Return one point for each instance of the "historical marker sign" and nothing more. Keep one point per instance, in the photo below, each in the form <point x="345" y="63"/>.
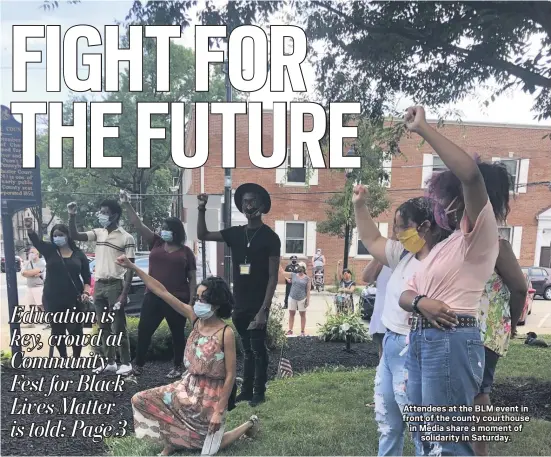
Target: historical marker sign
<point x="20" y="188"/>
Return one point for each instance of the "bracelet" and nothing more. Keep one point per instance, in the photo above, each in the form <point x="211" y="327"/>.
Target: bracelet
<point x="415" y="303"/>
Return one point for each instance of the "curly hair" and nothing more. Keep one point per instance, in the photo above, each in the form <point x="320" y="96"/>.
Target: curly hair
<point x="113" y="206"/>
<point x="419" y="210"/>
<point x="177" y="227"/>
<point x="219" y="295"/>
<point x="445" y="186"/>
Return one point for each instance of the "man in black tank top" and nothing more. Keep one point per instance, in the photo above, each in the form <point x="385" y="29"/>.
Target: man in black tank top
<point x="255" y="250"/>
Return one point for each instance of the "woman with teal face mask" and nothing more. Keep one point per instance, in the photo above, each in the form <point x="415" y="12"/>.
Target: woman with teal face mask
<point x="181" y="414"/>
<point x="173" y="264"/>
<point x="417" y="232"/>
<point x="67" y="282"/>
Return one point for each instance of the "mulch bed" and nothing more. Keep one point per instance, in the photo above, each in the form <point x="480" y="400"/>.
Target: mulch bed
<point x="304" y="354"/>
<point x="529" y="392"/>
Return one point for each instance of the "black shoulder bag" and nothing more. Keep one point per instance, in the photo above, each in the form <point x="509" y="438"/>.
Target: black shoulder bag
<point x="80" y="305"/>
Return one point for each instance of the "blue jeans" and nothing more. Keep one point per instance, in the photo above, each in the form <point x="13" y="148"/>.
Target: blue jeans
<point x="390" y="394"/>
<point x="445" y="368"/>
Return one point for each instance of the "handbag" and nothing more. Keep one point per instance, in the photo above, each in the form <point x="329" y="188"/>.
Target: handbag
<point x="81" y="305"/>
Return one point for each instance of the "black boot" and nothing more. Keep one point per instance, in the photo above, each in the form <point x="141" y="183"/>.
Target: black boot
<point x="244" y="396"/>
<point x="257" y="400"/>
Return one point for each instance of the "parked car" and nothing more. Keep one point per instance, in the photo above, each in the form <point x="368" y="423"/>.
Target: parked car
<point x="527" y="310"/>
<point x="137" y="289"/>
<point x="541" y="280"/>
<point x="18" y="262"/>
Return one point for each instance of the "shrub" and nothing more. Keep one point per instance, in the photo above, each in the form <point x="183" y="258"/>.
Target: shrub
<point x="161" y="342"/>
<point x="276" y="337"/>
<point x="5" y="358"/>
<point x="338" y="325"/>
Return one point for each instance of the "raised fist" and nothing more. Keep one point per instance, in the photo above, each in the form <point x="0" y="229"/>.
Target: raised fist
<point x="28" y="221"/>
<point x="360" y="195"/>
<point x="202" y="200"/>
<point x="415" y="118"/>
<point x="124" y="196"/>
<point x="72" y="208"/>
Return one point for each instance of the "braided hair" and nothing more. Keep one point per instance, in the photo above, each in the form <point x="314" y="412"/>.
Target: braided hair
<point x="219" y="295"/>
<point x="419" y="210"/>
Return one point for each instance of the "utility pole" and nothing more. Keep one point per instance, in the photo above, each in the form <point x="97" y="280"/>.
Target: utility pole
<point x="227" y="188"/>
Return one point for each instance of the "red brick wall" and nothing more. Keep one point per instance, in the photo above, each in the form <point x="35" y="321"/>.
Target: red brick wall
<point x="486" y="140"/>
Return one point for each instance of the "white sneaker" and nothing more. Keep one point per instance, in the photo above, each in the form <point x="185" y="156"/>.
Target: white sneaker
<point x="125" y="369"/>
<point x="111" y="368"/>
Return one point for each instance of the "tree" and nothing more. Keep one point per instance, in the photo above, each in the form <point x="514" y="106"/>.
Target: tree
<point x="376" y="144"/>
<point x="434" y="52"/>
<point x="60" y="184"/>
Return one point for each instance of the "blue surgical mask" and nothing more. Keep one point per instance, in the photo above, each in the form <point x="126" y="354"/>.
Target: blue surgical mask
<point x="104" y="220"/>
<point x="203" y="310"/>
<point x="167" y="236"/>
<point x="60" y="241"/>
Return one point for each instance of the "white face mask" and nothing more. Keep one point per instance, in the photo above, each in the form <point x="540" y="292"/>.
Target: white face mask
<point x="104" y="220"/>
<point x="203" y="310"/>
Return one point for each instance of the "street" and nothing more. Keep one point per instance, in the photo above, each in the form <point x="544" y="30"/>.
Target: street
<point x="539" y="321"/>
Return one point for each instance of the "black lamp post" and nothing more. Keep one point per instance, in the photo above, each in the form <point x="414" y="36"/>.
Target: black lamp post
<point x="349" y="176"/>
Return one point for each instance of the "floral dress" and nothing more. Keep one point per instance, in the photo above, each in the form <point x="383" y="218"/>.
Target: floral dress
<point x="179" y="414"/>
<point x="495" y="315"/>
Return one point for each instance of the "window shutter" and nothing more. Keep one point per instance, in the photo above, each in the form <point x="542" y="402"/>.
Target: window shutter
<point x="281" y="171"/>
<point x="523" y="175"/>
<point x="427" y="169"/>
<point x="311" y="238"/>
<point x="280" y="230"/>
<point x="387" y="167"/>
<point x="383" y="228"/>
<point x="353" y="249"/>
<point x="517" y="241"/>
<point x="314" y="178"/>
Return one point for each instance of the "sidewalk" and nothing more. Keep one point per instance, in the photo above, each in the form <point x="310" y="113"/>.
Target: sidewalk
<point x="320" y="302"/>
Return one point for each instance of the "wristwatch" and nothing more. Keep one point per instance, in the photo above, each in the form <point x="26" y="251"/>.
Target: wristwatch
<point x="415" y="303"/>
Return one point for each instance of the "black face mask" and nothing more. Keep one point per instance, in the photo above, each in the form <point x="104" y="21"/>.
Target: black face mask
<point x="294" y="262"/>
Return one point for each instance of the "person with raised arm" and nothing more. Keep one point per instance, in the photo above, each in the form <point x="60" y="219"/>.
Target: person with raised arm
<point x="256" y="252"/>
<point x="67" y="282"/>
<point x="445" y="360"/>
<point x="299" y="297"/>
<point x="173" y="264"/>
<point x="416" y="232"/>
<point x="181" y="414"/>
<point x="112" y="281"/>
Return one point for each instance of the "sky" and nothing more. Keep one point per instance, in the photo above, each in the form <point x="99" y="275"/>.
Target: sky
<point x="513" y="107"/>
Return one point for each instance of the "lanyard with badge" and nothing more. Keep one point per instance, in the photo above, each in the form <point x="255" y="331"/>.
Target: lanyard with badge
<point x="245" y="268"/>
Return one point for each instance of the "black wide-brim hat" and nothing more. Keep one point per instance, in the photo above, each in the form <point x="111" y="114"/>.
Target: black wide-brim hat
<point x="252" y="187"/>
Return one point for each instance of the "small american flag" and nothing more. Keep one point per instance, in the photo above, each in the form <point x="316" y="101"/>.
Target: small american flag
<point x="285" y="369"/>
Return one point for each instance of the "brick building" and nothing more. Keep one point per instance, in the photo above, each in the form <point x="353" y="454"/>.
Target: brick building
<point x="297" y="208"/>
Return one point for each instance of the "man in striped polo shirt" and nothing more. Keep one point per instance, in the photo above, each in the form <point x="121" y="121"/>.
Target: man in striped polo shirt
<point x="112" y="281"/>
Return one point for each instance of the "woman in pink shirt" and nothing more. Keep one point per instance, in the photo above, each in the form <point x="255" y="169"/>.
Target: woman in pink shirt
<point x="445" y="360"/>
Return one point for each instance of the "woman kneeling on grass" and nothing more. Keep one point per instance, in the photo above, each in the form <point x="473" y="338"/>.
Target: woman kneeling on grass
<point x="181" y="414"/>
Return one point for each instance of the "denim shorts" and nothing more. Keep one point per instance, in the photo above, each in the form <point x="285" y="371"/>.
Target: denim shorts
<point x="489" y="370"/>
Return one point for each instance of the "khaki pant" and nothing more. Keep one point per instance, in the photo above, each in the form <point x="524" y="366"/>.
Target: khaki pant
<point x="106" y="295"/>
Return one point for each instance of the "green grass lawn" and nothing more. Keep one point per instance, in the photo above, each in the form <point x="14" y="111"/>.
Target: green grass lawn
<point x="324" y="413"/>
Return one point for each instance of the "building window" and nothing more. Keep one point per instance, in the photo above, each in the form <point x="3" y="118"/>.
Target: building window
<point x="512" y="166"/>
<point x="362" y="250"/>
<point x="506" y="233"/>
<point x="438" y="165"/>
<point x="297" y="175"/>
<point x="295" y="238"/>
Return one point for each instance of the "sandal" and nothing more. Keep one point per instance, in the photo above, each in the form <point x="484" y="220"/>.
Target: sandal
<point x="289" y="332"/>
<point x="252" y="432"/>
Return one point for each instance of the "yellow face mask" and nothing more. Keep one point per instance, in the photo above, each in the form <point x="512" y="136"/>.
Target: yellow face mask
<point x="411" y="240"/>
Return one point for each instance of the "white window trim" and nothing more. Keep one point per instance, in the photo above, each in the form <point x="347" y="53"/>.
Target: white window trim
<point x="510" y="231"/>
<point x="353" y="250"/>
<point x="521" y="178"/>
<point x="282" y="175"/>
<point x="305" y="225"/>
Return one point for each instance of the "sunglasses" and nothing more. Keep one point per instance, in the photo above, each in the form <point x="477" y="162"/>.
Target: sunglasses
<point x="199" y="299"/>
